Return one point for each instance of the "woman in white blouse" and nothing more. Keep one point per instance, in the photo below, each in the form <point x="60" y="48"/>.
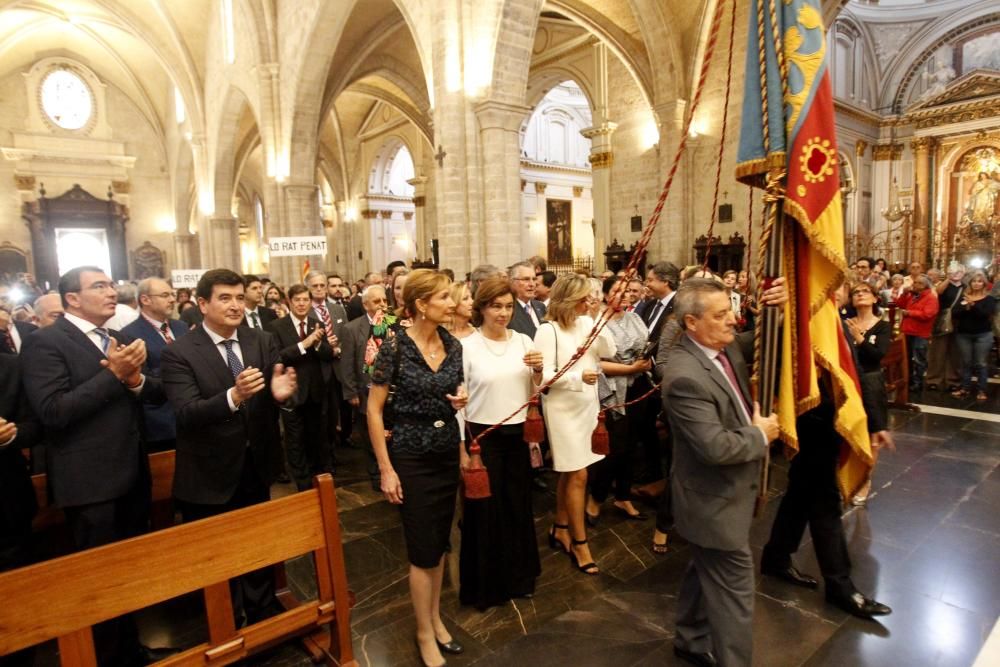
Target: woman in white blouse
<point x="570" y="409"/>
<point x="499" y="557"/>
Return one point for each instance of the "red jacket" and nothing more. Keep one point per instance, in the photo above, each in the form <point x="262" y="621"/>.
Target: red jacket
<point x="921" y="311"/>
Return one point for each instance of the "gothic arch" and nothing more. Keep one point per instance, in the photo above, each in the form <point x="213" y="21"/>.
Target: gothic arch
<point x="225" y="147"/>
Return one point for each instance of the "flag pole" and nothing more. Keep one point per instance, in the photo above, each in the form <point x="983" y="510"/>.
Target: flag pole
<point x="767" y="333"/>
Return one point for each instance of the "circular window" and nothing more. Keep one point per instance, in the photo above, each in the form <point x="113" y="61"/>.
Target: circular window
<point x="66" y="99"/>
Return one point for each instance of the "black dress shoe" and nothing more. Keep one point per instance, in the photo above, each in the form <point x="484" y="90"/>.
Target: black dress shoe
<point x="700" y="659"/>
<point x="539" y="484"/>
<point x="791" y="575"/>
<point x="452" y="647"/>
<point x="858" y="605"/>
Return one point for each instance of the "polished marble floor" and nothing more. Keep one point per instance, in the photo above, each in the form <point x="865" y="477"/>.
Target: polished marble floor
<point x="928" y="544"/>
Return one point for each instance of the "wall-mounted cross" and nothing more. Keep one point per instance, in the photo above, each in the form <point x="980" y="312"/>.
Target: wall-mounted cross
<point x="440" y="156"/>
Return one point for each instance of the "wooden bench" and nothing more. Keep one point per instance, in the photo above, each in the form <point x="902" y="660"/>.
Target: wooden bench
<point x="161" y="469"/>
<point x="62" y="598"/>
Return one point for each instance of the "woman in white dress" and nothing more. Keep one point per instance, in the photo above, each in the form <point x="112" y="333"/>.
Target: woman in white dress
<point x="570" y="409"/>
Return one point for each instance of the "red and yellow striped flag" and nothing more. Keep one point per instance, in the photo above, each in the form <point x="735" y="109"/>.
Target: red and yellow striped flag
<point x="305" y="270"/>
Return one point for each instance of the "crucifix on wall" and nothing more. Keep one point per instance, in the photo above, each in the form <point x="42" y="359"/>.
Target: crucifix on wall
<point x="440" y="156"/>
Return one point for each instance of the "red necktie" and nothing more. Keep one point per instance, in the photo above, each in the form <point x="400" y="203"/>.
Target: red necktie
<point x="302" y="330"/>
<point x="165" y="330"/>
<point x="731" y="374"/>
<point x="9" y="339"/>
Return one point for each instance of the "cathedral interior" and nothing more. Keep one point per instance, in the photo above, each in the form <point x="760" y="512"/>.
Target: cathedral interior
<point x="158" y="137"/>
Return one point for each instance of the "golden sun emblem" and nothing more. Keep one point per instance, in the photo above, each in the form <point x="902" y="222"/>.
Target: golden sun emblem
<point x="817" y="160"/>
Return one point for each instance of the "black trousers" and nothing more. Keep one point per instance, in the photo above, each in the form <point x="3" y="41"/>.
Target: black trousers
<point x="116" y="642"/>
<point x="307" y="449"/>
<point x="615" y="468"/>
<point x="361" y="424"/>
<point x="252" y="593"/>
<point x="813" y="499"/>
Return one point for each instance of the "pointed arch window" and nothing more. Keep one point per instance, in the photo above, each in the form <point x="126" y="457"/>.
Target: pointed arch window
<point x="258" y="217"/>
<point x="228" y="41"/>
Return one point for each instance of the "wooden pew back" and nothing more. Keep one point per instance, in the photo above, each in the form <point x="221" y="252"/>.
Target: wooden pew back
<point x="64" y="597"/>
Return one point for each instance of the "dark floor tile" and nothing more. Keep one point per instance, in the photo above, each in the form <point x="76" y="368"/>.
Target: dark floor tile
<point x="785" y="635"/>
<point x="926" y="425"/>
<point x="978" y="514"/>
<point x="920" y="631"/>
<point x="980" y="426"/>
<point x="366" y="521"/>
<point x="969" y="446"/>
<point x="577" y="650"/>
<point x="942" y="473"/>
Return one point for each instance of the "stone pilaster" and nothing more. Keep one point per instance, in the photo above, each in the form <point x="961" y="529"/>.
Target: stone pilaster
<point x="922" y="206"/>
<point x="422" y="238"/>
<point x="499" y="125"/>
<point x="185" y="251"/>
<point x="601" y="158"/>
<point x="301" y="208"/>
<point x="225" y="244"/>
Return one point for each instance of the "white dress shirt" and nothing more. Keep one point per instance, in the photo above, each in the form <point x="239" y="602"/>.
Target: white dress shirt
<point x="663" y="308"/>
<point x="530" y="309"/>
<point x="89" y="330"/>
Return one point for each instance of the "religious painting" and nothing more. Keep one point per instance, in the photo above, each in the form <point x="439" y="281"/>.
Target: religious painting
<point x="981" y="53"/>
<point x="559" y="225"/>
<point x="981" y="203"/>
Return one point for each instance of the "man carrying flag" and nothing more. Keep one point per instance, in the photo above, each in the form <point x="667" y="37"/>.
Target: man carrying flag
<point x="788" y="145"/>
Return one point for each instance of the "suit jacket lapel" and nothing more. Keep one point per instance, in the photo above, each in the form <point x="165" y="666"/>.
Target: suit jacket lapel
<point x="249" y="346"/>
<point x="211" y="356"/>
<point x="714" y="372"/>
<point x="80" y="338"/>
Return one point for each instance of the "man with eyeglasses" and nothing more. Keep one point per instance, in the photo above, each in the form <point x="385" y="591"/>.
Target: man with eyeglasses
<point x="528" y="311"/>
<point x="157" y="330"/>
<point x="85" y="383"/>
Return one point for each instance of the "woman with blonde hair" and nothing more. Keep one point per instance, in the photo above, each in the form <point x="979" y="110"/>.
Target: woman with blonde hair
<point x="973" y="320"/>
<point x="460" y="326"/>
<point x="570" y="408"/>
<point x="420" y="368"/>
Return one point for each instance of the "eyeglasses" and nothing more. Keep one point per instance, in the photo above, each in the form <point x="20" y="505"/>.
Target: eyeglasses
<point x="166" y="295"/>
<point x="526" y="280"/>
<point x="100" y="286"/>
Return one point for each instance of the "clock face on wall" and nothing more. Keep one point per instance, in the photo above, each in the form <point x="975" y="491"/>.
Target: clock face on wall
<point x="66" y="99"/>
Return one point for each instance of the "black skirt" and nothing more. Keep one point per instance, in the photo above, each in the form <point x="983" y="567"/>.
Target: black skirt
<point x="430" y="482"/>
<point x="499" y="558"/>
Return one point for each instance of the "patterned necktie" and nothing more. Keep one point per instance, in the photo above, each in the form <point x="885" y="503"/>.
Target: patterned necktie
<point x="165" y="330"/>
<point x="302" y="330"/>
<point x="105" y="339"/>
<point x="235" y="365"/>
<point x="256" y="320"/>
<point x="731" y="374"/>
<point x="325" y="316"/>
<point x="8" y="339"/>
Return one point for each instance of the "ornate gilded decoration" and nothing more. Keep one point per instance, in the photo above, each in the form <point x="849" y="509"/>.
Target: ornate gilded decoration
<point x="602" y="160"/>
<point x="407" y="215"/>
<point x="419" y="200"/>
<point x="882" y="152"/>
<point x="922" y="143"/>
<point x="577" y="190"/>
<point x="860" y="147"/>
<point x="25" y="183"/>
<point x="540" y="187"/>
<point x="121" y="187"/>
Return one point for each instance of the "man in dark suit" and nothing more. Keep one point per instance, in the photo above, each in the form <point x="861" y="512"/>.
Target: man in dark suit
<point x="12" y="332"/>
<point x="719" y="439"/>
<point x="255" y="315"/>
<point x="354" y="307"/>
<point x="528" y="311"/>
<point x="304" y="347"/>
<point x="357" y="378"/>
<point x="85" y="383"/>
<point x="157" y="330"/>
<point x="333" y="317"/>
<point x="226" y="383"/>
<point x="18" y="430"/>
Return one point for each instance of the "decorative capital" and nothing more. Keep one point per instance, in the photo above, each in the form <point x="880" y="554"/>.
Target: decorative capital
<point x="881" y="152"/>
<point x="923" y="143"/>
<point x="24" y="183"/>
<point x="386" y="214"/>
<point x="577" y="190"/>
<point x="121" y="187"/>
<point x="420" y="200"/>
<point x="606" y="128"/>
<point x="860" y="147"/>
<point x="407" y="215"/>
<point x="602" y="160"/>
<point x="369" y="214"/>
<point x="540" y="187"/>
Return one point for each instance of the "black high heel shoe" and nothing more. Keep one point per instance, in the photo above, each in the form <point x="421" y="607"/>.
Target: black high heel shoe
<point x="452" y="647"/>
<point x="555" y="544"/>
<point x="587" y="568"/>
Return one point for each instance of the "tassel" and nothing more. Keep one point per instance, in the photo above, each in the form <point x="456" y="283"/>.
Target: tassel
<point x="599" y="441"/>
<point x="477" y="481"/>
<point x="534" y="427"/>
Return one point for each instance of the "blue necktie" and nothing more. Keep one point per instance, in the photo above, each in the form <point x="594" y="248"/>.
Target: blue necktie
<point x="235" y="365"/>
<point x="105" y="339"/>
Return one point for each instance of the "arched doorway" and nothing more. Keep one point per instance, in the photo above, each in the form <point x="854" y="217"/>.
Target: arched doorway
<point x="390" y="204"/>
<point x="557" y="199"/>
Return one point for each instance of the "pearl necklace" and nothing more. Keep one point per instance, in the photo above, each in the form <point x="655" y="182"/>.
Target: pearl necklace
<point x="491" y="350"/>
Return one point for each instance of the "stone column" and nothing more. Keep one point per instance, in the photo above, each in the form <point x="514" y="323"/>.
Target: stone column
<point x="185" y="251"/>
<point x="601" y="159"/>
<point x="500" y="125"/>
<point x="923" y="207"/>
<point x="301" y="209"/>
<point x="422" y="239"/>
<point x="224" y="245"/>
<point x="672" y="239"/>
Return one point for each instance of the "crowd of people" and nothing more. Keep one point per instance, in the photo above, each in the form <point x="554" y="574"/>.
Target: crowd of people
<point x="251" y="384"/>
